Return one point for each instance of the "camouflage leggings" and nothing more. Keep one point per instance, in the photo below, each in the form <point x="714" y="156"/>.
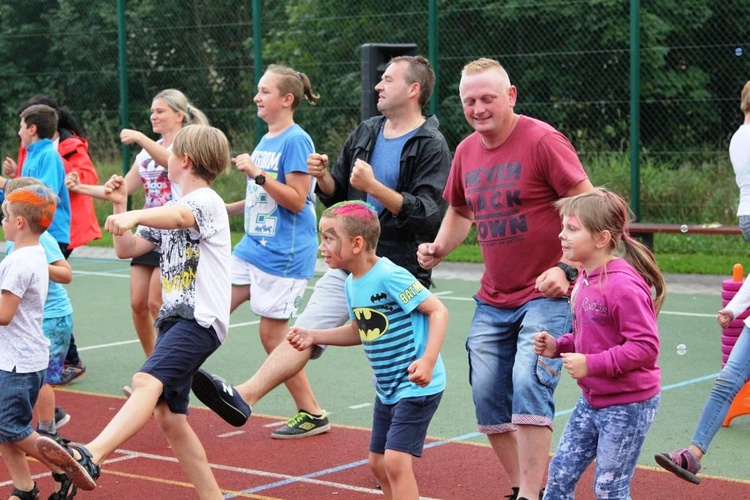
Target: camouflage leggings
<point x="613" y="436"/>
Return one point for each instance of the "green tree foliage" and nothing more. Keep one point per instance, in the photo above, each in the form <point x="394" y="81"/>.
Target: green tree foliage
<point x="570" y="60"/>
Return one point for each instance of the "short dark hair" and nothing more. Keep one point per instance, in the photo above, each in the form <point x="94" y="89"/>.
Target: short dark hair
<point x="419" y="71"/>
<point x="44" y="117"/>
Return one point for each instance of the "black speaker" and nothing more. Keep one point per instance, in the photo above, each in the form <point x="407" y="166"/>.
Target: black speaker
<point x="375" y="58"/>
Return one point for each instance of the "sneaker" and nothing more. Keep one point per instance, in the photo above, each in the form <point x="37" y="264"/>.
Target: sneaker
<point x="61" y="418"/>
<point x="52" y="435"/>
<point x="221" y="397"/>
<point x="82" y="471"/>
<point x="70" y="373"/>
<point x="303" y="425"/>
<point x="682" y="463"/>
<point x="514" y="494"/>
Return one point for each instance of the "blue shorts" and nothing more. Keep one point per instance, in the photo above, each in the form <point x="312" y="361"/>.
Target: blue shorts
<point x="58" y="331"/>
<point x="18" y="395"/>
<point x="403" y="426"/>
<point x="181" y="348"/>
<point x="509" y="383"/>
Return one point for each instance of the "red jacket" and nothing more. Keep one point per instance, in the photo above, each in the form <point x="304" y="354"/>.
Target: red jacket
<point x="74" y="151"/>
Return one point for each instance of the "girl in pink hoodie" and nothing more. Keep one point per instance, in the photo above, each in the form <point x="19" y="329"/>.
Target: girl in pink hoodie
<point x="612" y="350"/>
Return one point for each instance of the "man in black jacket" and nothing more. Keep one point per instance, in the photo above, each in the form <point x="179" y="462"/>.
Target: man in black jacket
<point x="399" y="162"/>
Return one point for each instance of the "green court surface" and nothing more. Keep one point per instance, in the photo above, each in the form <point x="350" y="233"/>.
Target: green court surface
<point x="342" y="383"/>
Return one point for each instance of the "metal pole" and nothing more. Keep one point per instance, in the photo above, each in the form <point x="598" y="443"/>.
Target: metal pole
<point x="433" y="55"/>
<point x="257" y="62"/>
<point x="122" y="57"/>
<point x="635" y="108"/>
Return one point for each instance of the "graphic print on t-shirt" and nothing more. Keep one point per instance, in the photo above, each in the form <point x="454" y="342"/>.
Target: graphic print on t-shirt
<point x="492" y="194"/>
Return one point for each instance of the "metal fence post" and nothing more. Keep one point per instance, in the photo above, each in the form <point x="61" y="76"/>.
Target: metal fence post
<point x="635" y="107"/>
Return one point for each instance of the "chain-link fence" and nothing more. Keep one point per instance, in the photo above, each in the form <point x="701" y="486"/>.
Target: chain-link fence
<point x="570" y="59"/>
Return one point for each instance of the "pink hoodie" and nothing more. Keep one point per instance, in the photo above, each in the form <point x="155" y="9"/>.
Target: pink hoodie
<point x="614" y="325"/>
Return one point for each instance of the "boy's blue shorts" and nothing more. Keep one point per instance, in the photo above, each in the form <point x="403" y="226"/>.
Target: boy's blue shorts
<point x="18" y="395"/>
<point x="58" y="331"/>
<point x="181" y="348"/>
<point x="403" y="426"/>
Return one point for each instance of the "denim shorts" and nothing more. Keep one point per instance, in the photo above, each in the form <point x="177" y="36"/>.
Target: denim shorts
<point x="402" y="426"/>
<point x="181" y="348"/>
<point x="509" y="383"/>
<point x="58" y="331"/>
<point x="18" y="395"/>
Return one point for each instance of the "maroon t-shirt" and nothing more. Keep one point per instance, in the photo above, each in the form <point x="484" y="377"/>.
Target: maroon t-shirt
<point x="511" y="190"/>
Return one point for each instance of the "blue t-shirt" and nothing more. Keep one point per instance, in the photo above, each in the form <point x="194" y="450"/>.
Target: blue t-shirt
<point x="58" y="303"/>
<point x="44" y="163"/>
<point x="386" y="162"/>
<point x="383" y="302"/>
<point x="278" y="241"/>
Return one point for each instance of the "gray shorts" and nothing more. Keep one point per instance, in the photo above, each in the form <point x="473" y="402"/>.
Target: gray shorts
<point x="326" y="307"/>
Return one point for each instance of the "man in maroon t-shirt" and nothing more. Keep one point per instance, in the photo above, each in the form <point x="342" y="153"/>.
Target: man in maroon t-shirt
<point x="505" y="178"/>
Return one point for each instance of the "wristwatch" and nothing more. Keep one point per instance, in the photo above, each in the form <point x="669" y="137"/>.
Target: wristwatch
<point x="260" y="179"/>
<point x="571" y="273"/>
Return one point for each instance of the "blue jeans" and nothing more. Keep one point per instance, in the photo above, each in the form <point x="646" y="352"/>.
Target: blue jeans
<point x="745" y="226"/>
<point x="510" y="384"/>
<point x="729" y="382"/>
<point x="613" y="436"/>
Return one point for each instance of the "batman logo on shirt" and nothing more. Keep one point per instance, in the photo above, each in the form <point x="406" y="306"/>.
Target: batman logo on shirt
<point x="372" y="324"/>
<point x="378" y="297"/>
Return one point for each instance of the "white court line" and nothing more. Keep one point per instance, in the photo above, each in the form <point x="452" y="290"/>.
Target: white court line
<point x="126" y="342"/>
<point x="358" y="407"/>
<point x="107" y="275"/>
<point x="275" y="424"/>
<point x="230" y="434"/>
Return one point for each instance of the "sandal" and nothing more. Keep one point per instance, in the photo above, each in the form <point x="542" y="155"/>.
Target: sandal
<point x="32" y="494"/>
<point x="67" y="489"/>
<point x="682" y="463"/>
<point x="83" y="471"/>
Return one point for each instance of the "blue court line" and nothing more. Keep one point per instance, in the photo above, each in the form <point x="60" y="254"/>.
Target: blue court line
<point x="434" y="444"/>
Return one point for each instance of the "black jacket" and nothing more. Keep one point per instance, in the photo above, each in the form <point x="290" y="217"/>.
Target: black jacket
<point x="425" y="163"/>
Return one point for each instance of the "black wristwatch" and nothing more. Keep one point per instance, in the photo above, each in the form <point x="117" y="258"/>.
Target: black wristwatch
<point x="571" y="273"/>
<point x="260" y="179"/>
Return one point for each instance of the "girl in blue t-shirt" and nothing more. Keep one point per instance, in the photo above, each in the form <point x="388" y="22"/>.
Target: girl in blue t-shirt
<point x="276" y="256"/>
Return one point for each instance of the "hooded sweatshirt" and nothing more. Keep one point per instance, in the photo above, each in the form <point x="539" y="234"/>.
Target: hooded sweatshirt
<point x="614" y="325"/>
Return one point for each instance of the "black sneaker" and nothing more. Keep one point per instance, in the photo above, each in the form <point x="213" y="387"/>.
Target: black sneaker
<point x="70" y="373"/>
<point x="303" y="425"/>
<point x="61" y="418"/>
<point x="221" y="397"/>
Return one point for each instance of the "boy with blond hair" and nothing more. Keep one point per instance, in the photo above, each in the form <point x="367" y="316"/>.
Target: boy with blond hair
<point x="57" y="319"/>
<point x="192" y="234"/>
<point x="401" y="326"/>
<point x="24" y="350"/>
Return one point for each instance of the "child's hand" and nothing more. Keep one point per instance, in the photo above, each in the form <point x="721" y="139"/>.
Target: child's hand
<point x="724" y="317"/>
<point x="545" y="344"/>
<point x="362" y="176"/>
<point x="246" y="164"/>
<point x="420" y="372"/>
<point x="9" y="167"/>
<point x="316" y="165"/>
<point x="72" y="181"/>
<point x="115" y="190"/>
<point x="118" y="224"/>
<point x="299" y="338"/>
<point x="576" y="364"/>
